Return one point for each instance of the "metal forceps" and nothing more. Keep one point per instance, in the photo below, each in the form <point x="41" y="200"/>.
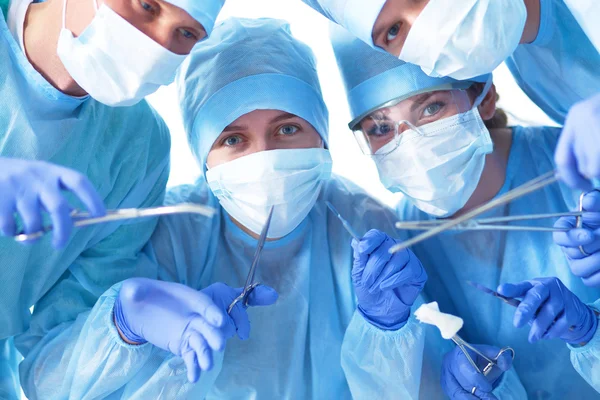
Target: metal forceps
<point x="345" y="223"/>
<point x="250" y="285"/>
<point x="491" y="362"/>
<point x="467" y="221"/>
<point x="81" y="219"/>
<point x="497" y="223"/>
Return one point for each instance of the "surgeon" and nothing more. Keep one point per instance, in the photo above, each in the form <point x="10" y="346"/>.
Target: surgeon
<point x="552" y="48"/>
<point x="340" y="325"/>
<point x="74" y="134"/>
<point x="445" y="146"/>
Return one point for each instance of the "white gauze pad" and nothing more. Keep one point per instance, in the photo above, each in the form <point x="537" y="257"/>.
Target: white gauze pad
<point x="448" y="324"/>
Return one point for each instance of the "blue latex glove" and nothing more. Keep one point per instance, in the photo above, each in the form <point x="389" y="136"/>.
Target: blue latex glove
<point x="386" y="285"/>
<point x="459" y="377"/>
<point x="189" y="323"/>
<point x="552" y="310"/>
<point x="577" y="154"/>
<point x="587" y="267"/>
<point x="30" y="187"/>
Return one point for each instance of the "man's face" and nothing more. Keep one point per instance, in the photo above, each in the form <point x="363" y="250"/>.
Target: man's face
<point x="168" y="25"/>
<point x="394" y="23"/>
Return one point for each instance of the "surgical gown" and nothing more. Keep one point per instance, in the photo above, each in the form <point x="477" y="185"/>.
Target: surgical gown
<point x="310" y="345"/>
<point x="494" y="257"/>
<point x="123" y="151"/>
<point x="561" y="66"/>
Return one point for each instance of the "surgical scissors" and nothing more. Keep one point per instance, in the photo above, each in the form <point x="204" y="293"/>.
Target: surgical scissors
<point x="467" y="220"/>
<point x="83" y="219"/>
<point x="345" y="223"/>
<point x="250" y="285"/>
<point x="491" y="362"/>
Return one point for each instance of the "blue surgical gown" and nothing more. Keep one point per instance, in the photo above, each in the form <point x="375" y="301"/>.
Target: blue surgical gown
<point x="123" y="151"/>
<point x="494" y="257"/>
<point x="310" y="345"/>
<point x="561" y="67"/>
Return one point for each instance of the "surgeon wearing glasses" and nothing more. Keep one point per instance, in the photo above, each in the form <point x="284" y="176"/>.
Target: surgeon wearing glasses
<point x="445" y="146"/>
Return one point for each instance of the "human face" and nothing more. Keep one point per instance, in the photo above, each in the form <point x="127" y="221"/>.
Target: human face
<point x="168" y="25"/>
<point x="262" y="130"/>
<point x="389" y="123"/>
<point x="394" y="22"/>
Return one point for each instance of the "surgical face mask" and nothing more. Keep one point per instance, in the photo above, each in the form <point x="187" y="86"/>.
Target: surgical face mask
<point x="438" y="165"/>
<point x="113" y="61"/>
<point x="464" y="39"/>
<point x="289" y="179"/>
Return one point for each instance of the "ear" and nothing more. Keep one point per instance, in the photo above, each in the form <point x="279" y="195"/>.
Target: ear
<point x="487" y="108"/>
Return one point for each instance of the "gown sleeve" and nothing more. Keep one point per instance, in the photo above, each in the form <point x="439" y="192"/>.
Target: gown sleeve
<point x="383" y="364"/>
<point x="586" y="359"/>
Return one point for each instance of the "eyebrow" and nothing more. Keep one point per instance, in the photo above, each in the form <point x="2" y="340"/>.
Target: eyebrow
<point x="419" y="100"/>
<point x="232" y="128"/>
<point x="380" y="117"/>
<point x="282" y="117"/>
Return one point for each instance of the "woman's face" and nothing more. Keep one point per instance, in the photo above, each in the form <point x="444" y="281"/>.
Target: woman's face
<point x="394" y="22"/>
<point x="262" y="130"/>
<point x="388" y="124"/>
<point x="168" y="25"/>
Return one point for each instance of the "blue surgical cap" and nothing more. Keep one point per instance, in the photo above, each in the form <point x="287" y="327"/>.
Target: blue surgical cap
<point x="375" y="79"/>
<point x="247" y="65"/>
<point x="357" y="16"/>
<point x="203" y="11"/>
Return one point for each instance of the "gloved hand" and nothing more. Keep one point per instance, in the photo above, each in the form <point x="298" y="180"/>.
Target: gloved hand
<point x="553" y="310"/>
<point x="459" y="377"/>
<point x="386" y="284"/>
<point x="30" y="187"/>
<point x="577" y="154"/>
<point x="587" y="267"/>
<point x="188" y="323"/>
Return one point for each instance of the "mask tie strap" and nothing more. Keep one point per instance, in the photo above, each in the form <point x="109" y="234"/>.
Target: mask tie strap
<point x="64" y="15"/>
<point x="484" y="92"/>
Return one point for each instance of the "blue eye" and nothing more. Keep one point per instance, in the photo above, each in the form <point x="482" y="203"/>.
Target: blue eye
<point x="146" y="6"/>
<point x="232" y="140"/>
<point x="381" y="130"/>
<point x="393" y="32"/>
<point x="432" y="109"/>
<point x="187" y="34"/>
<point x="288" y="130"/>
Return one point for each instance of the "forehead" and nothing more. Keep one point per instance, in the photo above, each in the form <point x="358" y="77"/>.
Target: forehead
<point x="261" y="117"/>
<point x="413" y="102"/>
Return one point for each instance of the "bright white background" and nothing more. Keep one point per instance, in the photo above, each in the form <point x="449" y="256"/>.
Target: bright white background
<point x="349" y="162"/>
<point x="312" y="28"/>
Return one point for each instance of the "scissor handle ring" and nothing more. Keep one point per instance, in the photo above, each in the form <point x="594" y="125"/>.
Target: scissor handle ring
<point x="247" y="292"/>
<point x="579" y="219"/>
<point x="504" y="350"/>
<point x="243" y="297"/>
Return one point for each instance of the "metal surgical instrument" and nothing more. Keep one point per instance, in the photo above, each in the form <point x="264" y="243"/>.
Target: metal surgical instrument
<point x="250" y="285"/>
<point x="81" y="219"/>
<point x="528" y="187"/>
<point x="579" y="220"/>
<point x="493" y="223"/>
<point x="491" y="362"/>
<point x="345" y="223"/>
<point x="508" y="300"/>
